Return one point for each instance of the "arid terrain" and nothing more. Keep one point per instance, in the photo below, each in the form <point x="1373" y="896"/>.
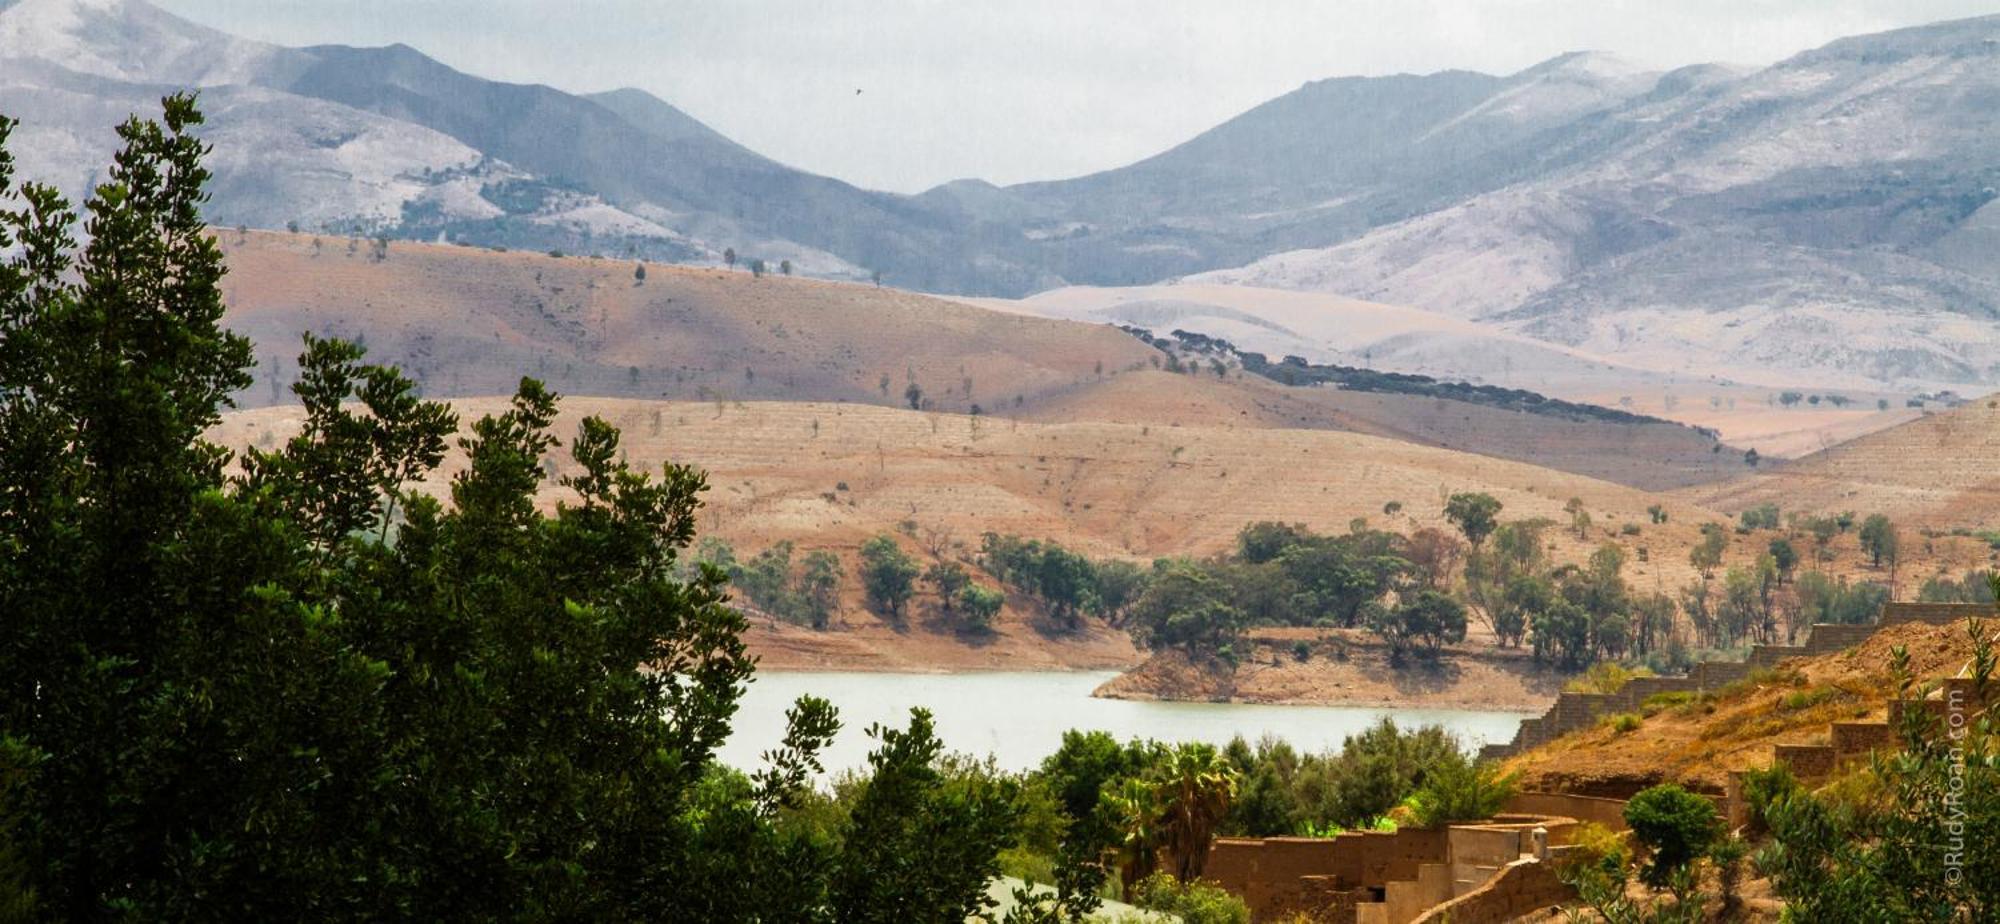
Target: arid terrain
<point x="1936" y="470"/>
<point x="794" y="395"/>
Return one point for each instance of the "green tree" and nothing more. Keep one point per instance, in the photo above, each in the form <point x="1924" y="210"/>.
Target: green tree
<point x="1119" y="584"/>
<point x="1579" y="517"/>
<point x="1475" y="515"/>
<point x="1784" y="556"/>
<point x="310" y="690"/>
<point x="1459" y="791"/>
<point x="947" y="578"/>
<point x="1879" y="539"/>
<point x="1425" y="622"/>
<point x="1706" y="556"/>
<point x="1194" y="786"/>
<point x="1674" y="825"/>
<point x="914" y="847"/>
<point x="1186" y="608"/>
<point x="888" y="575"/>
<point x="819" y="587"/>
<point x="979" y="606"/>
<point x="914" y="395"/>
<point x="1190" y="902"/>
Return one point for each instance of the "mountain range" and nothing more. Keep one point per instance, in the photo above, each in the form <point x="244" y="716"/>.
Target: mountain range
<point x="1828" y="219"/>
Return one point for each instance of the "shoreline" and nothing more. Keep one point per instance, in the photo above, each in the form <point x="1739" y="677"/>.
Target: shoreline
<point x="1344" y="668"/>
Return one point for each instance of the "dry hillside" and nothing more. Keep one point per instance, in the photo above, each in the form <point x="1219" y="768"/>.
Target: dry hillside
<point x="1654" y="456"/>
<point x="1935" y="471"/>
<point x="831" y="475"/>
<point x="467" y="321"/>
<point x="1699" y="743"/>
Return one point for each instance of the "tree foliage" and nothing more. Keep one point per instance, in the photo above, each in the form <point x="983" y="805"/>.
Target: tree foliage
<point x="299" y="688"/>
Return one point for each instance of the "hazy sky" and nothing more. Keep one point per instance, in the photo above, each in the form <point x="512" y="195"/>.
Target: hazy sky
<point x="1013" y="90"/>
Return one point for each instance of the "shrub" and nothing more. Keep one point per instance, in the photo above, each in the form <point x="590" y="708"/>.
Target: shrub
<point x="1624" y="722"/>
<point x="1806" y="699"/>
<point x="1197" y="902"/>
<point x="1302" y="650"/>
<point x="1763" y="789"/>
<point x="978" y="606"/>
<point x="1606" y="677"/>
<point x="1595" y="845"/>
<point x="1459" y="792"/>
<point x="1672" y="699"/>
<point x="1675" y="825"/>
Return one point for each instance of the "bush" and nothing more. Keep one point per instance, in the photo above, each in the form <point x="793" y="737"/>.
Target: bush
<point x="1459" y="792"/>
<point x="1606" y="677"/>
<point x="978" y="606"/>
<point x="1675" y="825"/>
<point x="1624" y="722"/>
<point x="1302" y="651"/>
<point x="1672" y="699"/>
<point x="1197" y="902"/>
<point x="1595" y="845"/>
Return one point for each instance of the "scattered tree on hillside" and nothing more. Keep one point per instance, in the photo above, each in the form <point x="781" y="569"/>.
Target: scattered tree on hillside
<point x="947" y="579"/>
<point x="729" y="257"/>
<point x="1579" y="517"/>
<point x="914" y="394"/>
<point x="1879" y="539"/>
<point x="1762" y="516"/>
<point x="819" y="587"/>
<point x="1422" y="624"/>
<point x="639" y="274"/>
<point x="888" y="575"/>
<point x="979" y="606"/>
<point x="1785" y="557"/>
<point x="785" y="266"/>
<point x="1475" y="515"/>
<point x="1706" y="555"/>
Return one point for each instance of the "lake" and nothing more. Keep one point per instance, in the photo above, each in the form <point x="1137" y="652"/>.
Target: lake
<point x="1019" y="718"/>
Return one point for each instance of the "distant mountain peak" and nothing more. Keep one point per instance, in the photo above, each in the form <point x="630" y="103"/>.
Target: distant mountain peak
<point x="126" y="40"/>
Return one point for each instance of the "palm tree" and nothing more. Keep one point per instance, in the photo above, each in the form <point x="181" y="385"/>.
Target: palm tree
<point x="1136" y="803"/>
<point x="1194" y="793"/>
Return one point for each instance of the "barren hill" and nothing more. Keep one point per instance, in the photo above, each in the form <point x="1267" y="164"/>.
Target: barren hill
<point x="469" y="321"/>
<point x="1651" y="456"/>
<point x="1937" y="471"/>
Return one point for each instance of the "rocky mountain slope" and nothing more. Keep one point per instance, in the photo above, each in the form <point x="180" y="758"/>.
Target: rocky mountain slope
<point x="1830" y="218"/>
